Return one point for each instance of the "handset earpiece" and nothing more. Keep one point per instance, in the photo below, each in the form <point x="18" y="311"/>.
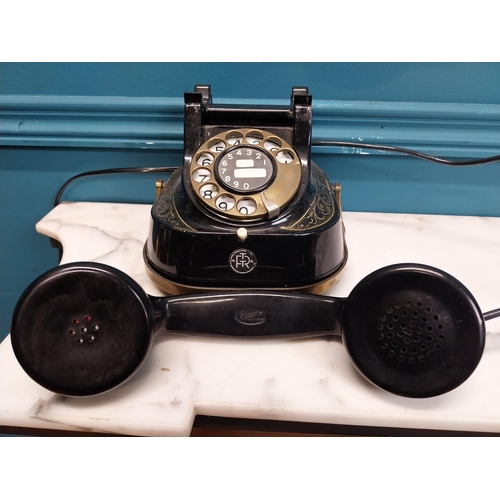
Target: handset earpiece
<point x="82" y="329"/>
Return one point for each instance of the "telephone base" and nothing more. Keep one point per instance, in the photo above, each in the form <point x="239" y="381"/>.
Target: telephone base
<point x="302" y="249"/>
<point x="174" y="288"/>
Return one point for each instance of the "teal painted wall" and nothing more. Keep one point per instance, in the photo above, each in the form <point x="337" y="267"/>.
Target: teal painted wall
<point x="413" y="82"/>
<point x="451" y="109"/>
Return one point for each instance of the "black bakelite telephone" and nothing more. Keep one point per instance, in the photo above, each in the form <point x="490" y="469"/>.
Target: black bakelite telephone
<point x="248" y="209"/>
<point x="248" y="218"/>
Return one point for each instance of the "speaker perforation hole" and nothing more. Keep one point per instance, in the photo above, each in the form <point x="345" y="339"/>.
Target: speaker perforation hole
<point x="81" y="334"/>
<point x="406" y="342"/>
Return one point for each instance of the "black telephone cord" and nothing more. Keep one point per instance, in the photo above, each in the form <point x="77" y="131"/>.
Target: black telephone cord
<point x="409" y="152"/>
<point x="357" y="145"/>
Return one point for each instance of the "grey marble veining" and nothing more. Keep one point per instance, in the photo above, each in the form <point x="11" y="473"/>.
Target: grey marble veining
<point x="296" y="380"/>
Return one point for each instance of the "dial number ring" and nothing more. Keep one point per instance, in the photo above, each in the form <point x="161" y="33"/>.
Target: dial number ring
<point x="249" y="169"/>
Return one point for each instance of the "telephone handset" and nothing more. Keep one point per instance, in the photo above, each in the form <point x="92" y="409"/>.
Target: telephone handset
<point x="248" y="209"/>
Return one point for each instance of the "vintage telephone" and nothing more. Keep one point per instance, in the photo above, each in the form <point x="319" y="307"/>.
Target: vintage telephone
<point x="249" y="220"/>
<point x="248" y="209"/>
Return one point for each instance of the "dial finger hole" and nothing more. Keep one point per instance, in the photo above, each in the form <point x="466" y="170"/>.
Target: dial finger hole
<point x="209" y="191"/>
<point x="216" y="145"/>
<point x="205" y="159"/>
<point x="246" y="206"/>
<point x="202" y="175"/>
<point x="254" y="137"/>
<point x="225" y="202"/>
<point x="285" y="157"/>
<point x="234" y="138"/>
<point x="272" y="144"/>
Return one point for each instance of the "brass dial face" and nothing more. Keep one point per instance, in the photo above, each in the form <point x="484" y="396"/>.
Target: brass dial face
<point x="245" y="174"/>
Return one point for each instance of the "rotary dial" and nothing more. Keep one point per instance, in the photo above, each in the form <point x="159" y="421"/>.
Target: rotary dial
<point x="245" y="174"/>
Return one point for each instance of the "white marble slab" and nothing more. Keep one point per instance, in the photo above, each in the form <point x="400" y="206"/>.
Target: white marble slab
<point x="295" y="380"/>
